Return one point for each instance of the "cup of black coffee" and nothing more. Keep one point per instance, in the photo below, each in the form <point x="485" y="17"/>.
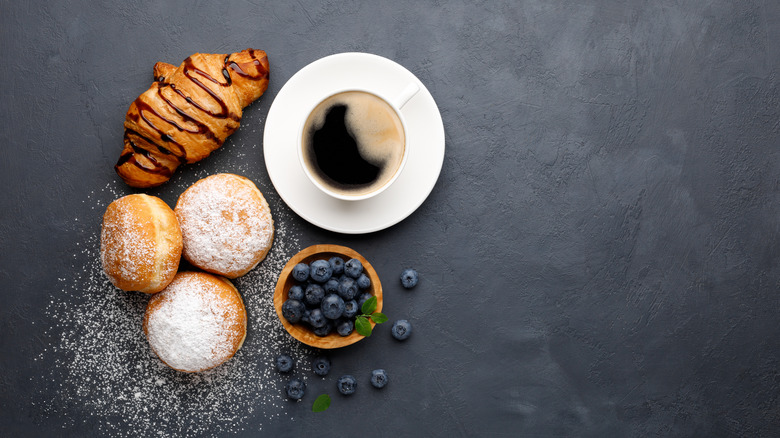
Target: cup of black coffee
<point x="352" y="144"/>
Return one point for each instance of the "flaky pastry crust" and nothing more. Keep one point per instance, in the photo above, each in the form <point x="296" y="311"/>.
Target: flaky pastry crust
<point x="188" y="112"/>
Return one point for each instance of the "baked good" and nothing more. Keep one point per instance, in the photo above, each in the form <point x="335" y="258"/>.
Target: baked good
<point x="188" y="112"/>
<point x="140" y="243"/>
<point x="226" y="224"/>
<point x="196" y="323"/>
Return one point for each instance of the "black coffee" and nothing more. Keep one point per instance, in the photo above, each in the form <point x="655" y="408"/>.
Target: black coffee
<point x="353" y="143"/>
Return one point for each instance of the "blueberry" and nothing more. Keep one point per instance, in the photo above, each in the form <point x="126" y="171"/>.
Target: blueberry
<point x="363" y="282"/>
<point x="337" y="263"/>
<point x="332" y="306"/>
<point x="345" y="327"/>
<point x="320" y="270"/>
<point x="295" y="293"/>
<point x="314" y="294"/>
<point x="347" y="384"/>
<point x="320" y="366"/>
<point x="316" y="318"/>
<point x="401" y="329"/>
<point x="362" y="299"/>
<point x="331" y="286"/>
<point x="284" y="363"/>
<point x="347" y="288"/>
<point x="325" y="329"/>
<point x="306" y="315"/>
<point x="300" y="272"/>
<point x="409" y="278"/>
<point x="350" y="309"/>
<point x="379" y="378"/>
<point x="295" y="388"/>
<point x="353" y="268"/>
<point x="293" y="310"/>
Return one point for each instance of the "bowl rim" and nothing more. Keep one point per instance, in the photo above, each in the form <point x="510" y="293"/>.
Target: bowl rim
<point x="298" y="331"/>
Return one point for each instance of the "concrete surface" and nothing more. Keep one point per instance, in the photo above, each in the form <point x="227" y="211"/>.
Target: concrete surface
<point x="599" y="256"/>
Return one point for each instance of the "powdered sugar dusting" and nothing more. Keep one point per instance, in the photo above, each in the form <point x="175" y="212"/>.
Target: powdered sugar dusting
<point x="224" y="226"/>
<point x="126" y="246"/>
<point x="107" y="379"/>
<point x="193" y="327"/>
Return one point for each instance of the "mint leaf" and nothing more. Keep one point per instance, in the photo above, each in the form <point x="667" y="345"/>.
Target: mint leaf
<point x="378" y="317"/>
<point x="362" y="326"/>
<point x="322" y="403"/>
<point x="369" y="306"/>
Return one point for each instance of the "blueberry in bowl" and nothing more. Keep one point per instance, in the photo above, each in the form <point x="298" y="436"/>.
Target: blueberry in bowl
<point x="332" y="306"/>
<point x="325" y="317"/>
<point x="320" y="270"/>
<point x="337" y="264"/>
<point x="300" y="271"/>
<point x="353" y="268"/>
<point x="293" y="310"/>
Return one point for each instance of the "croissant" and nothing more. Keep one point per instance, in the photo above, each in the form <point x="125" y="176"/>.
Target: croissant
<point x="188" y="112"/>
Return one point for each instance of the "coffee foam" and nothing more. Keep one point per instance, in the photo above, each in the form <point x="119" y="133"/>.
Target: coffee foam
<point x="376" y="128"/>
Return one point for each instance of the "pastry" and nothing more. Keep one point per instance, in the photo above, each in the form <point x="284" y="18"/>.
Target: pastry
<point x="188" y="112"/>
<point x="140" y="243"/>
<point x="196" y="323"/>
<point x="226" y="224"/>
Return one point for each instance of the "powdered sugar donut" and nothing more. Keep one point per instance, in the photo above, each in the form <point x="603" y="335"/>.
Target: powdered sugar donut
<point x="196" y="323"/>
<point x="140" y="243"/>
<point x="226" y="224"/>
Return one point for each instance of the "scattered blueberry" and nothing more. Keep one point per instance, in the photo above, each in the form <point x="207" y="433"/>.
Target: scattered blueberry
<point x="300" y="272"/>
<point x="379" y="378"/>
<point x="345" y="327"/>
<point x="401" y="329"/>
<point x="332" y="306"/>
<point x="284" y="363"/>
<point x="295" y="293"/>
<point x="331" y="286"/>
<point x="293" y="310"/>
<point x="316" y="318"/>
<point x="353" y="268"/>
<point x="350" y="309"/>
<point x="337" y="263"/>
<point x="320" y="270"/>
<point x="347" y="384"/>
<point x="325" y="330"/>
<point x="320" y="366"/>
<point x="409" y="278"/>
<point x="347" y="288"/>
<point x="295" y="388"/>
<point x="314" y="294"/>
<point x="363" y="282"/>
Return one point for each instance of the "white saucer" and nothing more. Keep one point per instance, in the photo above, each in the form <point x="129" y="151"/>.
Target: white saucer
<point x="313" y="83"/>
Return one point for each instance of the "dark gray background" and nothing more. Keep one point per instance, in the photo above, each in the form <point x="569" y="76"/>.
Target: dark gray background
<point x="599" y="256"/>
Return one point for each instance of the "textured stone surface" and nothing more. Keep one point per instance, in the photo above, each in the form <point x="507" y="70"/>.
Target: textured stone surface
<point x="599" y="257"/>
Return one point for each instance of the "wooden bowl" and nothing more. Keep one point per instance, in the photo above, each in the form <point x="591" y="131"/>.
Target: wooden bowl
<point x="301" y="331"/>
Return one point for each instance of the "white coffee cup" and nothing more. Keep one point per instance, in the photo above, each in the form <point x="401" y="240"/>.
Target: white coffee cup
<point x="376" y="125"/>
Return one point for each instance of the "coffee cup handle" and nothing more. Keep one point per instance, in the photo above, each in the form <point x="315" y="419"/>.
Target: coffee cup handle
<point x="406" y="95"/>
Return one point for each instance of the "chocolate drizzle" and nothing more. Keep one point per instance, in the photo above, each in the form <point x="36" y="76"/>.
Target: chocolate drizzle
<point x="130" y="157"/>
<point x="189" y="70"/>
<point x="240" y="67"/>
<point x="166" y="127"/>
<point x="177" y="150"/>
